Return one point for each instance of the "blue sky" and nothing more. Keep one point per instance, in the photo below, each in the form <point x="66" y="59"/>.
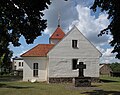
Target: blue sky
<point x="74" y="12"/>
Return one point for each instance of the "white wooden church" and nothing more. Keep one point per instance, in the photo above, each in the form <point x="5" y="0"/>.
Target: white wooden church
<point x="57" y="60"/>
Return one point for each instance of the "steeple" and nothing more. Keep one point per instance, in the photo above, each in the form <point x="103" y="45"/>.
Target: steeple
<point x="58" y="34"/>
<point x="58" y="20"/>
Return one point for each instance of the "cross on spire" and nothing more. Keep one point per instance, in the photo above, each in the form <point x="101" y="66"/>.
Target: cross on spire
<point x="58" y="20"/>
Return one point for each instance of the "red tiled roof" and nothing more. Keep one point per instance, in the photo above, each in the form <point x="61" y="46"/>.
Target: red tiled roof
<point x="40" y="50"/>
<point x="58" y="34"/>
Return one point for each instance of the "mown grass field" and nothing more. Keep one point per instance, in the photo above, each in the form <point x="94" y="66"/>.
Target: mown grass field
<point x="108" y="86"/>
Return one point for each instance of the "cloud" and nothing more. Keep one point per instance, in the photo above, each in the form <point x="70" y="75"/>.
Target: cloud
<point x="107" y="56"/>
<point x="67" y="12"/>
<point x="100" y="49"/>
<point x="77" y="12"/>
<point x="108" y="53"/>
<point x="109" y="60"/>
<point x="91" y="26"/>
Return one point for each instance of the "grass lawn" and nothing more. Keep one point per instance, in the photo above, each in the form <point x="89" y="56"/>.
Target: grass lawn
<point x="108" y="86"/>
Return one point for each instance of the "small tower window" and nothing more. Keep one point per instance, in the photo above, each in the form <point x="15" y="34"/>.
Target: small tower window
<point x="57" y="34"/>
<point x="75" y="43"/>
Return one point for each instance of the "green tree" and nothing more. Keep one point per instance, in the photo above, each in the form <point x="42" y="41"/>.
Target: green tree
<point x="1" y="59"/>
<point x="112" y="7"/>
<point x="115" y="67"/>
<point x="21" y="17"/>
<point x="5" y="60"/>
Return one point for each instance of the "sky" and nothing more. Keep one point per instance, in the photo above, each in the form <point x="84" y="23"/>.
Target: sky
<point x="78" y="13"/>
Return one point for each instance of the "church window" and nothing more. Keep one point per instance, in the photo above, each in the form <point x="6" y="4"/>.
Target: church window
<point x="19" y="63"/>
<point x="75" y="43"/>
<point x="22" y="64"/>
<point x="15" y="67"/>
<point x="35" y="69"/>
<point x="74" y="64"/>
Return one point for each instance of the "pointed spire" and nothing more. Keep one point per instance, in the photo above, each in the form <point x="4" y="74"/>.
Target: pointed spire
<point x="58" y="19"/>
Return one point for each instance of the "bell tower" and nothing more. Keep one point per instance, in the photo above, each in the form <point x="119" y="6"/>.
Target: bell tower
<point x="57" y="35"/>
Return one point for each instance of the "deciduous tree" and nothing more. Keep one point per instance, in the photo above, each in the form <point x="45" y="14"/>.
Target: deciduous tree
<point x="112" y="8"/>
<point x="21" y="18"/>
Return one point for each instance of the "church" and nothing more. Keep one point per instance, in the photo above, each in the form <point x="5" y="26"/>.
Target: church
<point x="56" y="61"/>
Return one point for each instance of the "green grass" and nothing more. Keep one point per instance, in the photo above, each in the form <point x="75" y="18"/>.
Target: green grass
<point x="110" y="83"/>
<point x="108" y="86"/>
<point x="25" y="88"/>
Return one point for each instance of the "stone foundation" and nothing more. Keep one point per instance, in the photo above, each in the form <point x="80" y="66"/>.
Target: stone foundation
<point x="95" y="79"/>
<point x="61" y="80"/>
<point x="82" y="81"/>
<point x="68" y="79"/>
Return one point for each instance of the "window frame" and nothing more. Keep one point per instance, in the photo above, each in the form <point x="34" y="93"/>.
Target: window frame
<point x="35" y="70"/>
<point x="22" y="64"/>
<point x="19" y="64"/>
<point x="75" y="44"/>
<point x="73" y="64"/>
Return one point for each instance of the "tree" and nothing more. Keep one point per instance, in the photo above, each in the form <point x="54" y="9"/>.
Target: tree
<point x="21" y="17"/>
<point x="112" y="7"/>
<point x="5" y="60"/>
<point x="1" y="59"/>
<point x="115" y="67"/>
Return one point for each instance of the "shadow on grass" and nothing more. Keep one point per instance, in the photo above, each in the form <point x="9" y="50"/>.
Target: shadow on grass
<point x="95" y="86"/>
<point x="107" y="81"/>
<point x="102" y="92"/>
<point x="92" y="87"/>
<point x="15" y="87"/>
<point x="10" y="78"/>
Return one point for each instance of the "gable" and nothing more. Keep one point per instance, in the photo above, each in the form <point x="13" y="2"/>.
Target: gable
<point x="64" y="47"/>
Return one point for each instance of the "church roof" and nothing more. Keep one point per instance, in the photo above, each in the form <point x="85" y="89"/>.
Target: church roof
<point x="40" y="50"/>
<point x="58" y="34"/>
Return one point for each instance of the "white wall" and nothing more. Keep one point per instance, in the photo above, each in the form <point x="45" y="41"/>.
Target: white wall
<point x="28" y="68"/>
<point x="16" y="64"/>
<point x="60" y="67"/>
<point x="60" y="57"/>
<point x="63" y="67"/>
<point x="64" y="48"/>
